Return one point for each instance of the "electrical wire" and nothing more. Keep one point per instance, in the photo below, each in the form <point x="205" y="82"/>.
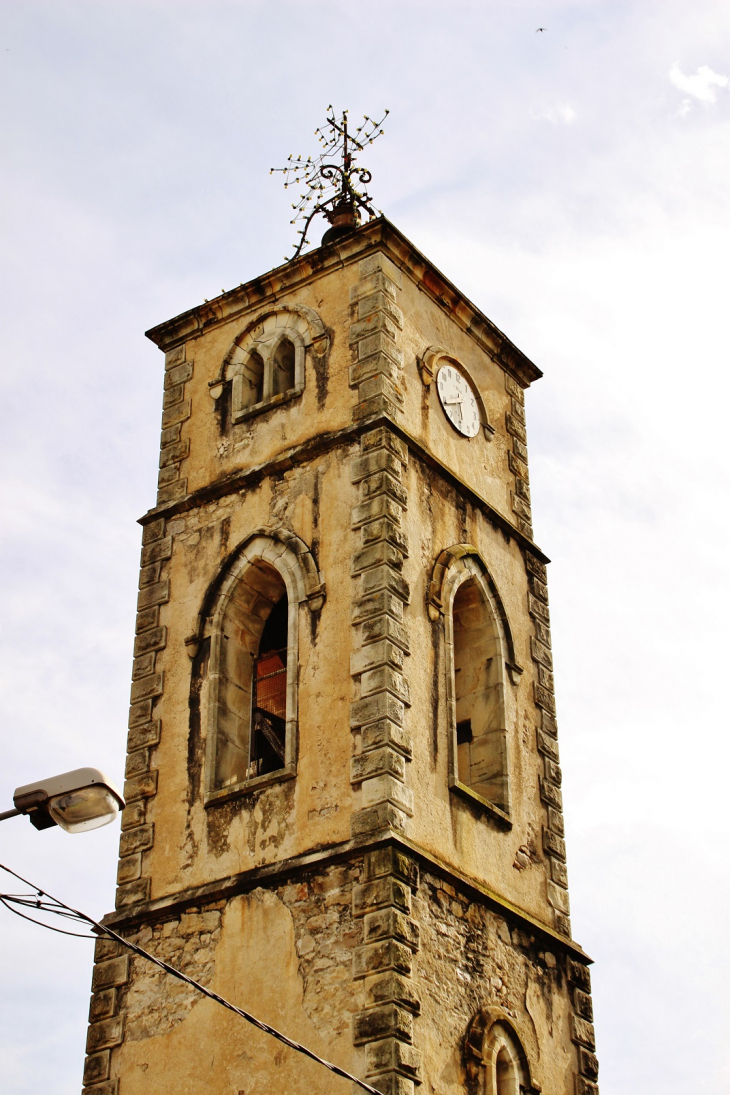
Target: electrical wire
<point x="76" y="935"/>
<point x="57" y="907"/>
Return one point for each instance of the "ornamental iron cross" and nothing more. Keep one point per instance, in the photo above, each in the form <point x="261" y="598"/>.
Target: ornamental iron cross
<point x="337" y="190"/>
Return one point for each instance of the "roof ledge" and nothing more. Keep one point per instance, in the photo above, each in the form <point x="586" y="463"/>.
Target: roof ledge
<point x="377" y="235"/>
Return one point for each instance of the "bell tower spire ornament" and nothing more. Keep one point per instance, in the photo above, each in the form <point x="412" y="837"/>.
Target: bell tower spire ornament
<point x="335" y="189"/>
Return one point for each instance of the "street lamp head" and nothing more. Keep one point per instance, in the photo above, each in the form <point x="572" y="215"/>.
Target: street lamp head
<point x="77" y="801"/>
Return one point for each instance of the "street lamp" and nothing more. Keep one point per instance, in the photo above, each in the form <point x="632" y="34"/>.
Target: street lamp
<point x="77" y="801"/>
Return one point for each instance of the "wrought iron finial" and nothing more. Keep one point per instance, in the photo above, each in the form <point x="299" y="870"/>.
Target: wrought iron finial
<point x="337" y="190"/>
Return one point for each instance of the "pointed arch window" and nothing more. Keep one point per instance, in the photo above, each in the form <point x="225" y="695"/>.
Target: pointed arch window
<point x="248" y="681"/>
<point x="496" y="1060"/>
<point x="246" y="654"/>
<point x="479" y="662"/>
<point x="267" y="751"/>
<point x="478" y="696"/>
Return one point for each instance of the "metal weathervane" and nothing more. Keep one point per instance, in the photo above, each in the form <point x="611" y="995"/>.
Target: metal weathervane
<point x="335" y="189"/>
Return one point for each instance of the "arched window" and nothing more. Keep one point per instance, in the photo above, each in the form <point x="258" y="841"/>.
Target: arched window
<point x="266" y="363"/>
<point x="495" y="1058"/>
<point x="479" y="654"/>
<point x="481" y="748"/>
<point x="506" y="1078"/>
<point x="282" y="372"/>
<point x="246" y="653"/>
<point x="248" y="693"/>
<point x="253" y="376"/>
<point x="268" y="738"/>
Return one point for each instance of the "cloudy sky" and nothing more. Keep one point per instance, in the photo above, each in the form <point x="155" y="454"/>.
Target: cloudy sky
<point x="573" y="183"/>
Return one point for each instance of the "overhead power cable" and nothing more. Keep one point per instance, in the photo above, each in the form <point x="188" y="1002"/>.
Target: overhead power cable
<point x="45" y="902"/>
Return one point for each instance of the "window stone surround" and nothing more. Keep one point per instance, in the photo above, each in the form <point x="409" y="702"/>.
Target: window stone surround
<point x="262" y="336"/>
<point x="279" y="556"/>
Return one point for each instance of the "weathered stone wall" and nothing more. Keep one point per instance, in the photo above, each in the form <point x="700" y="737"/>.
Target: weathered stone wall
<point x="172" y="484"/>
<point x="472" y="958"/>
<point x="514" y="421"/>
<point x="553" y="841"/>
<point x="377" y="962"/>
<point x="144" y="728"/>
<point x="384" y="968"/>
<point x="283" y="951"/>
<point x="167" y="740"/>
<point x="379" y="309"/>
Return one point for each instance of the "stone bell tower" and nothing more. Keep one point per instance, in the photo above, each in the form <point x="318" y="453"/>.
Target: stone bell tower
<point x="344" y="809"/>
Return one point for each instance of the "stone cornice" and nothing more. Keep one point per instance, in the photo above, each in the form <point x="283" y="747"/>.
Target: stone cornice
<point x="377" y="234"/>
<point x="308" y="450"/>
<point x="226" y="888"/>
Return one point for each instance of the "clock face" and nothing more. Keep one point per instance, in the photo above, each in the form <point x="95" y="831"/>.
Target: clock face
<point x="458" y="401"/>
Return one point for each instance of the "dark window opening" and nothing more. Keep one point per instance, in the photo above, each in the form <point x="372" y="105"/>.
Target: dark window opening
<point x="254" y="373"/>
<point x="283" y="368"/>
<point x="463" y="732"/>
<point x="268" y="737"/>
<point x="248" y="698"/>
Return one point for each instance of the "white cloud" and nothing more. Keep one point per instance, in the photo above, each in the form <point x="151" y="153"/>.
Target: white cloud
<point x="560" y="114"/>
<point x="702" y="86"/>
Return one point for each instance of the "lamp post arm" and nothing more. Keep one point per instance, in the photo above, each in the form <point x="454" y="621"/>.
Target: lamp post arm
<point x="9" y="813"/>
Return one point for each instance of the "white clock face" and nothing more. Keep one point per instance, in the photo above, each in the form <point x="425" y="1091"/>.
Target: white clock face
<point x="458" y="401"/>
